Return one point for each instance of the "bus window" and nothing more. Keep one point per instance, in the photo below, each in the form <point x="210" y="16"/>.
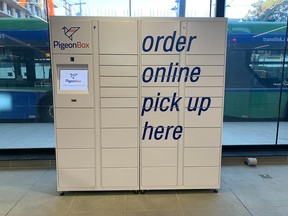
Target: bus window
<point x="267" y="66"/>
<point x="42" y="70"/>
<point x="23" y="71"/>
<point x="7" y="70"/>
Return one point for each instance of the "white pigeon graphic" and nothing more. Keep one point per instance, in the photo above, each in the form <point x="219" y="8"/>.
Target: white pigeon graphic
<point x="70" y="32"/>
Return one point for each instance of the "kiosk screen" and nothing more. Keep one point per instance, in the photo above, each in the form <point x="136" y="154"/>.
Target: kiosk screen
<point x="73" y="79"/>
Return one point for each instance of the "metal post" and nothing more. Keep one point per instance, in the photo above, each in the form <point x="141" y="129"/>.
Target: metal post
<point x="182" y="8"/>
<point x="220" y="8"/>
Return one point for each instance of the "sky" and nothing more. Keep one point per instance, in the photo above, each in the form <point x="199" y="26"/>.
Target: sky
<point x="198" y="8"/>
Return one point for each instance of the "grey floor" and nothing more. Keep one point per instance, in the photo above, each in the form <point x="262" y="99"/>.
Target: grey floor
<point x="41" y="135"/>
<point x="32" y="192"/>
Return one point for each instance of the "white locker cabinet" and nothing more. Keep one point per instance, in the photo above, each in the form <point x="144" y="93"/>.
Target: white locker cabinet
<point x="119" y="117"/>
<point x="118" y="81"/>
<point x="76" y="179"/>
<point x="149" y="60"/>
<point x="74" y="118"/>
<point x="122" y="60"/>
<point x="118" y="37"/>
<point x="117" y="158"/>
<point x="207" y="37"/>
<point x="208" y="60"/>
<point x="124" y="178"/>
<point x="67" y="158"/>
<point x="204" y="92"/>
<point x="197" y="137"/>
<point x="119" y="92"/>
<point x="138" y="102"/>
<point x="202" y="177"/>
<point x="73" y="138"/>
<point x="125" y="71"/>
<point x="215" y="102"/>
<point x="119" y="138"/>
<point x="150" y="157"/>
<point x="164" y="91"/>
<point x="158" y="177"/>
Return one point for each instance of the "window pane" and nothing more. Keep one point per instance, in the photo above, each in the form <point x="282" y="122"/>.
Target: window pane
<point x="155" y="8"/>
<point x="283" y="124"/>
<point x="255" y="54"/>
<point x="121" y="8"/>
<point x="204" y="8"/>
<point x="25" y="81"/>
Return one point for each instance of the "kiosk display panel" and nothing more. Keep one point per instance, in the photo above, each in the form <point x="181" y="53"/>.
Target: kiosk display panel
<point x="73" y="79"/>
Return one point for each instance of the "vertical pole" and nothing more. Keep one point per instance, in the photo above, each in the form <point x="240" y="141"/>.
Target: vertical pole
<point x="220" y="8"/>
<point x="80" y="3"/>
<point x="182" y="8"/>
<point x="210" y="12"/>
<point x="282" y="83"/>
<point x="130" y="8"/>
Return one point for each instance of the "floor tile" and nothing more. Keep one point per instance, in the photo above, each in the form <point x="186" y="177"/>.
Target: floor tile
<point x="194" y="200"/>
<point x="98" y="213"/>
<point x="216" y="212"/>
<point x="243" y="192"/>
<point x="9" y="196"/>
<point x="154" y="213"/>
<point x="40" y="203"/>
<point x="270" y="211"/>
<point x="18" y="177"/>
<point x="164" y="200"/>
<point x="260" y="193"/>
<point x="91" y="202"/>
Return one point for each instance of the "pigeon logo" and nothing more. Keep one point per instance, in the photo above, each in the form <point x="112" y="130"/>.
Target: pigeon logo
<point x="73" y="80"/>
<point x="70" y="32"/>
<point x="73" y="75"/>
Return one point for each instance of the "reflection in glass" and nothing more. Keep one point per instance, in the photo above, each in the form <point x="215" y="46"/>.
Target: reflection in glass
<point x="255" y="55"/>
<point x="25" y="74"/>
<point x="283" y="120"/>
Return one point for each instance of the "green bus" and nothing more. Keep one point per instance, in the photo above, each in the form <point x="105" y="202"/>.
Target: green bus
<point x="256" y="86"/>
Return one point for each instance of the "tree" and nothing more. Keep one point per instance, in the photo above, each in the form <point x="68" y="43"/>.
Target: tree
<point x="269" y="11"/>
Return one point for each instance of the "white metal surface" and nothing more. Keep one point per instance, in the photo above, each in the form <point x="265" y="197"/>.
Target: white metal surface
<point x="102" y="142"/>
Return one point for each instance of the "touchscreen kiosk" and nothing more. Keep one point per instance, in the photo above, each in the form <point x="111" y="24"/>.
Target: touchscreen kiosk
<point x="73" y="80"/>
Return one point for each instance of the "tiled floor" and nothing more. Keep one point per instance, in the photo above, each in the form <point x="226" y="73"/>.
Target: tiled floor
<point x="32" y="192"/>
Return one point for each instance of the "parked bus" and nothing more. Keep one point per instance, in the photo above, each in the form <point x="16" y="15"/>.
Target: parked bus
<point x="254" y="80"/>
<point x="25" y="74"/>
<point x="254" y="75"/>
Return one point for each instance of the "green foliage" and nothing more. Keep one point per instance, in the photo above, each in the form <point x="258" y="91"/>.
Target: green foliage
<point x="268" y="11"/>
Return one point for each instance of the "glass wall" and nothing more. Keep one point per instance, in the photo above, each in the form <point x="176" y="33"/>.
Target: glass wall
<point x="256" y="94"/>
<point x="256" y="72"/>
<point x="204" y="8"/>
<point x="26" y="103"/>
